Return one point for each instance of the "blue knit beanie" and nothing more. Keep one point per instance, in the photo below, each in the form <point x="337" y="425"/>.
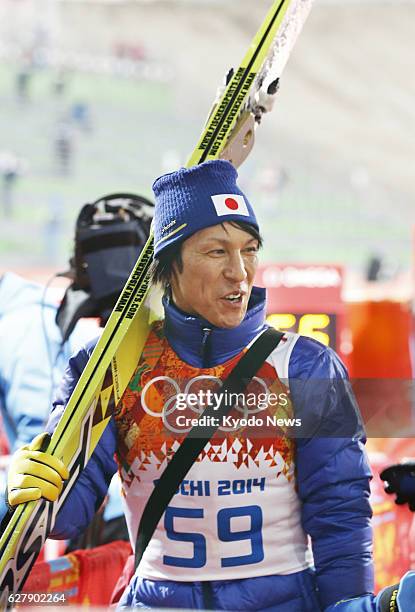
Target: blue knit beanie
<point x="194" y="198"/>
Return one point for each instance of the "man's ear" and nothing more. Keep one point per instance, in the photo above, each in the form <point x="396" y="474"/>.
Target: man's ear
<point x="176" y="270"/>
<point x="174" y="277"/>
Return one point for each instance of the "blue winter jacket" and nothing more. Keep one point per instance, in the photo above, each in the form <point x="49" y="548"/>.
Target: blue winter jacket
<point x="332" y="479"/>
<point x="32" y="361"/>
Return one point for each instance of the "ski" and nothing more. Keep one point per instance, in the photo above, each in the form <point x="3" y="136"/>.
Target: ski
<point x="115" y="356"/>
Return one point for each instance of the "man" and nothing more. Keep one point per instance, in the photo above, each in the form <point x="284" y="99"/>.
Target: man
<point x="39" y="332"/>
<point x="234" y="536"/>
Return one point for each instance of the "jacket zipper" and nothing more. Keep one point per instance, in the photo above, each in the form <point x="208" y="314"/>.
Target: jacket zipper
<point x="207" y="594"/>
<point x="205" y="346"/>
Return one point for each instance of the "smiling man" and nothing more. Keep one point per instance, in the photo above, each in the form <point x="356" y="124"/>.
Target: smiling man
<point x="234" y="536"/>
<point x="216" y="234"/>
<point x="227" y="254"/>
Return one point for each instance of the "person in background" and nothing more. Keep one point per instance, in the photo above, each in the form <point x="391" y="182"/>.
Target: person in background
<point x="38" y="334"/>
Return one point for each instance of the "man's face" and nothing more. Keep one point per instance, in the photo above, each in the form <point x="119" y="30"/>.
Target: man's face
<point x="219" y="265"/>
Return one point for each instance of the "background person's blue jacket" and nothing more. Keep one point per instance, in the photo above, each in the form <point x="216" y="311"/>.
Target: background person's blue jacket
<point x="32" y="362"/>
<point x="332" y="478"/>
<point x="32" y="356"/>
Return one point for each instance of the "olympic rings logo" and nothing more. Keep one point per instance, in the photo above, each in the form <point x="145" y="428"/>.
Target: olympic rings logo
<point x="180" y="399"/>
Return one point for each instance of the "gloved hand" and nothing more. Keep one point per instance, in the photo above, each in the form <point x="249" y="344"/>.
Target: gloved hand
<point x="397" y="598"/>
<point x="400" y="479"/>
<point x="34" y="474"/>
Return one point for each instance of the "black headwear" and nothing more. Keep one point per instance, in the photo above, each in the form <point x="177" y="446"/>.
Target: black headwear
<point x="109" y="236"/>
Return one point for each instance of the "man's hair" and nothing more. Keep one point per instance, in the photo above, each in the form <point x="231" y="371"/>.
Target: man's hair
<point x="162" y="268"/>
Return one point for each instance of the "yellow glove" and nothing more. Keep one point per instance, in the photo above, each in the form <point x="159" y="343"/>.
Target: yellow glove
<point x="34" y="474"/>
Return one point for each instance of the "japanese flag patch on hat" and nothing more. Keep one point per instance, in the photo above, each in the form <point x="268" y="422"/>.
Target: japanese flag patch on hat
<point x="192" y="199"/>
<point x="230" y="203"/>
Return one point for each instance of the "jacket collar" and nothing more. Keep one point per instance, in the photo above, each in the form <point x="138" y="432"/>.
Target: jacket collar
<point x="201" y="344"/>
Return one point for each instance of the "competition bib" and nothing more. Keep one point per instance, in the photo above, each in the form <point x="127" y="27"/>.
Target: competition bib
<point x="237" y="513"/>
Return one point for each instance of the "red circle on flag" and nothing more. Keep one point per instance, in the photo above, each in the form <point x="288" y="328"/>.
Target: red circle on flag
<point x="231" y="203"/>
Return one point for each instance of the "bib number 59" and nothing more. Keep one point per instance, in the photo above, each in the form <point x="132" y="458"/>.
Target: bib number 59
<point x="225" y="534"/>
